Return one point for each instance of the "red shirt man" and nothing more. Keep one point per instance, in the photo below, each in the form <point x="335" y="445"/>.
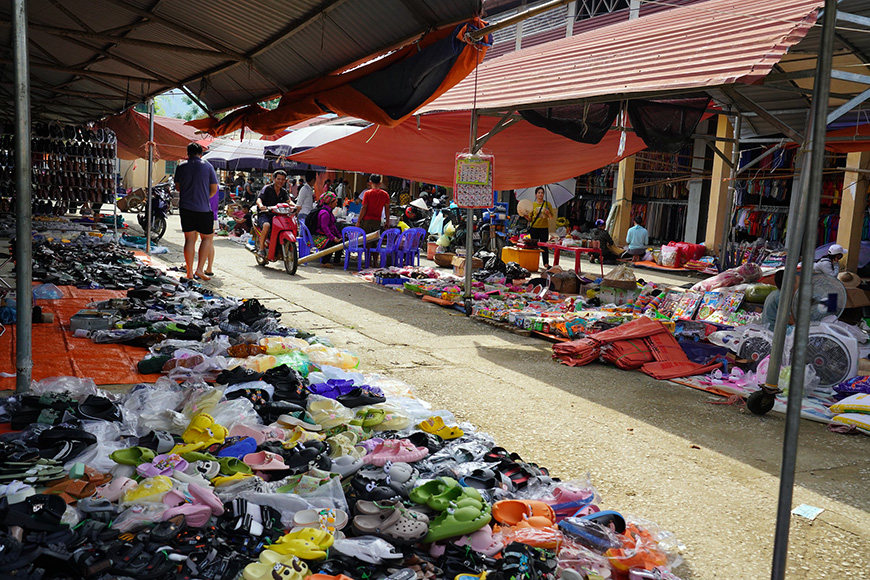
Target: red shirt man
<point x="376" y="202"/>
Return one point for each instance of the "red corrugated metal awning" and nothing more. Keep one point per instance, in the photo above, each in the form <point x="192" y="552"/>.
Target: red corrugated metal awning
<point x="525" y="155"/>
<point x="702" y="45"/>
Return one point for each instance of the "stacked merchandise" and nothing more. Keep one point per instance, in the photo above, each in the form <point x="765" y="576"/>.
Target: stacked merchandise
<point x="853" y="408"/>
<point x="71" y="165"/>
<point x="276" y="458"/>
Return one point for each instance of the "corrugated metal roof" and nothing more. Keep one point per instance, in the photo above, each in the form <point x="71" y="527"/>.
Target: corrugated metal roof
<point x="101" y="56"/>
<point x="706" y="44"/>
<point x="506" y="41"/>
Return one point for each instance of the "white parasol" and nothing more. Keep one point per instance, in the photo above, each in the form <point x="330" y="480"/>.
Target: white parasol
<point x="557" y="194"/>
<point x="308" y="138"/>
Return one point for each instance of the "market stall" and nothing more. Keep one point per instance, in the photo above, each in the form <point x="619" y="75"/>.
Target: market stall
<point x="254" y="448"/>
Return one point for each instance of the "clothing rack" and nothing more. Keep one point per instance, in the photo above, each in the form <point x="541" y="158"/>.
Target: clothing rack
<point x="664" y="220"/>
<point x="761" y="223"/>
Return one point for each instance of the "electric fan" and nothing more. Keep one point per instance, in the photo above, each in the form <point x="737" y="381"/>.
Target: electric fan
<point x="833" y="352"/>
<point x="828" y="297"/>
<point x="755" y="344"/>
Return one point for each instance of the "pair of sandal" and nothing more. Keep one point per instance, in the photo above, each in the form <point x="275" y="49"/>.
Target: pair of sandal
<point x="512" y="466"/>
<point x="38" y="471"/>
<point x="244" y="349"/>
<point x="463" y="510"/>
<point x="344" y="444"/>
<point x="203" y="429"/>
<point x="244" y="518"/>
<point x="329" y="520"/>
<point x="305" y="543"/>
<point x="273" y="565"/>
<point x="435" y="426"/>
<point x="399" y="477"/>
<point x="390" y="520"/>
<point x="395" y="450"/>
<point x="525" y="513"/>
<point x="73" y="489"/>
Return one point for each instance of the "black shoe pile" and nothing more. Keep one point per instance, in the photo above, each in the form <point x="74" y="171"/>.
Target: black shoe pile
<point x="251" y="311"/>
<point x="289" y="384"/>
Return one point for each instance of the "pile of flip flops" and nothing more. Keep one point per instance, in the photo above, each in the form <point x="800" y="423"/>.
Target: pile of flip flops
<point x="215" y="501"/>
<point x="291" y="472"/>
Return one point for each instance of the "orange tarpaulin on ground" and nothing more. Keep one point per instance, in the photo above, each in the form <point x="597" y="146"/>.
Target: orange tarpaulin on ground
<point x="171" y="136"/>
<point x="385" y="91"/>
<point x="57" y="353"/>
<point x="425" y="150"/>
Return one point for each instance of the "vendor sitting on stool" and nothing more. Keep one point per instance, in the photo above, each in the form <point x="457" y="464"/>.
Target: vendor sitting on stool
<point x="600" y="234"/>
<point x="637" y="239"/>
<point x="326" y="233"/>
<point x="829" y="264"/>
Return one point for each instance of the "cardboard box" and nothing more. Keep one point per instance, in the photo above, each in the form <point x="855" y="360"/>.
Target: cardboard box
<point x="856" y="298"/>
<point x="459" y="265"/>
<point x="565" y="282"/>
<point x="618" y="296"/>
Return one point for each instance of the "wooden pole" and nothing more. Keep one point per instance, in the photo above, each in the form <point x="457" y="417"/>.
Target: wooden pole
<point x="852" y="207"/>
<point x="333" y="249"/>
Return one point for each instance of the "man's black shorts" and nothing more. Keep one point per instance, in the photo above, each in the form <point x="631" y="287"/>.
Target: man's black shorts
<point x="264" y="218"/>
<point x="197" y="221"/>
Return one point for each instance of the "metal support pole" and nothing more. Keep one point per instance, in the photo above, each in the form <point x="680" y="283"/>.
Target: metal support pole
<point x="469" y="223"/>
<point x="732" y="180"/>
<point x="793" y="237"/>
<point x="821" y="93"/>
<point x="150" y="175"/>
<point x="793" y="242"/>
<point x="23" y="210"/>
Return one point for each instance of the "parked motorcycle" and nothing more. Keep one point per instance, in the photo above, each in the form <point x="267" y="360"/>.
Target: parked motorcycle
<point x="161" y="207"/>
<point x="282" y="244"/>
<point x="417" y="215"/>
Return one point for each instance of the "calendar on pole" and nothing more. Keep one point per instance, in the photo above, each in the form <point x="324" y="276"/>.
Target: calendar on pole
<point x="472" y="183"/>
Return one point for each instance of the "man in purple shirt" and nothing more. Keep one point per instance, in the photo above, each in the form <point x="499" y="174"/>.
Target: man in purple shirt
<point x="196" y="182"/>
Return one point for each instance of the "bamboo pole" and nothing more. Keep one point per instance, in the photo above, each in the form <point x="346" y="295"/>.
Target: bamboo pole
<point x="333" y="249"/>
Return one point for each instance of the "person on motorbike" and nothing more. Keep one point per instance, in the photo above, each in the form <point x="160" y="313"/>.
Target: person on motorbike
<point x="326" y="233"/>
<point x="270" y="196"/>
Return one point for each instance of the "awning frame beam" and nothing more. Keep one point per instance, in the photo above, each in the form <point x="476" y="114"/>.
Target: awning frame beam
<point x="735" y="95"/>
<point x="506" y="120"/>
<point x="151" y="45"/>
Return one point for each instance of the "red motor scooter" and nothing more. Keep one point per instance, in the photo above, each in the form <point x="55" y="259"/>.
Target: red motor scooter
<point x="281" y="244"/>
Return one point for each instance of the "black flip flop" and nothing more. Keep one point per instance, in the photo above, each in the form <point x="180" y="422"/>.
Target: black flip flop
<point x="39" y="512"/>
<point x="159" y="441"/>
<point x="99" y="408"/>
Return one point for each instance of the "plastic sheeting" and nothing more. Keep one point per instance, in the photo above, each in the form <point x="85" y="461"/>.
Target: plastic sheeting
<point x="385" y="91"/>
<point x="171" y="136"/>
<point x="60" y="354"/>
<point x="425" y="150"/>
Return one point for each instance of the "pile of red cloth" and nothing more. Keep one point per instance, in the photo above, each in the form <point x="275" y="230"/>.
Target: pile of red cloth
<point x="643" y="344"/>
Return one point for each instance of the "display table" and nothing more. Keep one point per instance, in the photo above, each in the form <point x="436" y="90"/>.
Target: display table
<point x="578" y="251"/>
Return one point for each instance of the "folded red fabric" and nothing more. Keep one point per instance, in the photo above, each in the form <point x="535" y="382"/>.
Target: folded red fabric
<point x="628" y="354"/>
<point x="675" y="370"/>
